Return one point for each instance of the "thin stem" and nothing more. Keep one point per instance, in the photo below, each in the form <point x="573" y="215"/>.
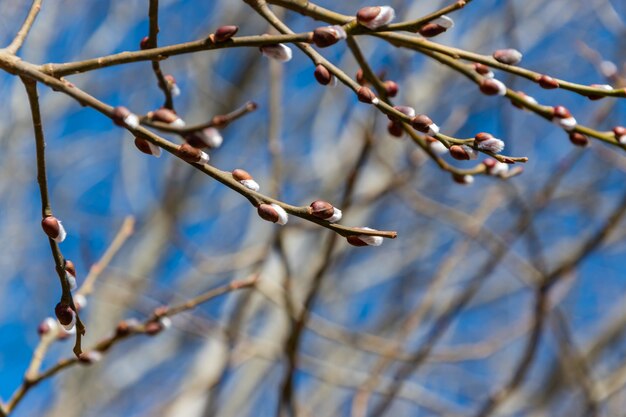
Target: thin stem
<point x="19" y="39"/>
<point x="125" y="231"/>
<point x="46" y="210"/>
<point x="153" y="15"/>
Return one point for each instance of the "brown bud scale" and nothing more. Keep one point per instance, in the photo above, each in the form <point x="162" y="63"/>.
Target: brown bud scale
<point x="50" y="226"/>
<point x="189" y="153"/>
<point x="224" y="33"/>
<point x="548" y="82"/>
<point x="267" y="212"/>
<point x="457" y="152"/>
<point x="241" y="175"/>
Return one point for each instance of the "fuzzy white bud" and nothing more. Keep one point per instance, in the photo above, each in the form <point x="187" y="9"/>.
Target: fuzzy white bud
<point x="250" y="184"/>
<point x="492" y="145"/>
<point x="337" y="214"/>
<point x="567" y="123"/>
<point x="213" y="137"/>
<point x="279" y="52"/>
<point x="443" y="21"/>
<point x="132" y="121"/>
<point x="471" y="152"/>
<point x="370" y="240"/>
<point x="375" y="17"/>
<point x="283" y="218"/>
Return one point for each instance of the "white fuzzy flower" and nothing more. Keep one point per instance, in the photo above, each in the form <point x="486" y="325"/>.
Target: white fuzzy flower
<point x="499" y="169"/>
<point x="471" y="152"/>
<point x="279" y="52"/>
<point x="437" y="147"/>
<point x="608" y="68"/>
<point x="155" y="150"/>
<point x="132" y="120"/>
<point x="368" y="239"/>
<point x="501" y="87"/>
<point x="376" y="16"/>
<point x="80" y="301"/>
<point x="175" y="90"/>
<point x="465" y="179"/>
<point x="250" y="184"/>
<point x="213" y="137"/>
<point x="493" y="145"/>
<point x="433" y="129"/>
<point x="339" y="31"/>
<point x="68" y="327"/>
<point x="443" y="21"/>
<point x="337" y="214"/>
<point x="71" y="280"/>
<point x="567" y="123"/>
<point x="166" y="322"/>
<point x="178" y="123"/>
<point x="283" y="218"/>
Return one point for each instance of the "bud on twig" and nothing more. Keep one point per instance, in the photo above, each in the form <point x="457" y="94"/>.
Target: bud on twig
<point x="526" y="98"/>
<point x="492" y="87"/>
<point x="328" y="35"/>
<point x="279" y="52"/>
<point x="424" y="124"/>
<point x="578" y="139"/>
<point x="374" y="17"/>
<point x="391" y="88"/>
<point x="608" y="69"/>
<point x="168" y="116"/>
<point x="620" y="134"/>
<point x="366" y="95"/>
<point x="562" y="117"/>
<point x="171" y="85"/>
<point x="606" y="87"/>
<point x="144" y="42"/>
<point x="70" y="274"/>
<point x="409" y="111"/>
<point x="483" y="70"/>
<point x="65" y="315"/>
<point x="463" y="179"/>
<point x="360" y="78"/>
<point x="436" y="146"/>
<point x="80" y="301"/>
<point x="508" y="56"/>
<point x="146" y="147"/>
<point x="123" y="117"/>
<point x="365" y="240"/>
<point x="548" y="82"/>
<point x="53" y="228"/>
<point x="89" y="358"/>
<point x="462" y="152"/>
<point x="224" y="33"/>
<point x="486" y="142"/>
<point x="436" y="26"/>
<point x="245" y="179"/>
<point x="208" y="137"/>
<point x="273" y="213"/>
<point x="324" y="210"/>
<point x="323" y="76"/>
<point x="395" y="129"/>
<point x="495" y="168"/>
<point x="48" y="327"/>
<point x="193" y="155"/>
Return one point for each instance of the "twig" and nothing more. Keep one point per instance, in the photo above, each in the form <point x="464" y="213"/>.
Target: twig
<point x="46" y="210"/>
<point x="125" y="231"/>
<point x="17" y="42"/>
<point x="153" y="14"/>
<point x="129" y="330"/>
